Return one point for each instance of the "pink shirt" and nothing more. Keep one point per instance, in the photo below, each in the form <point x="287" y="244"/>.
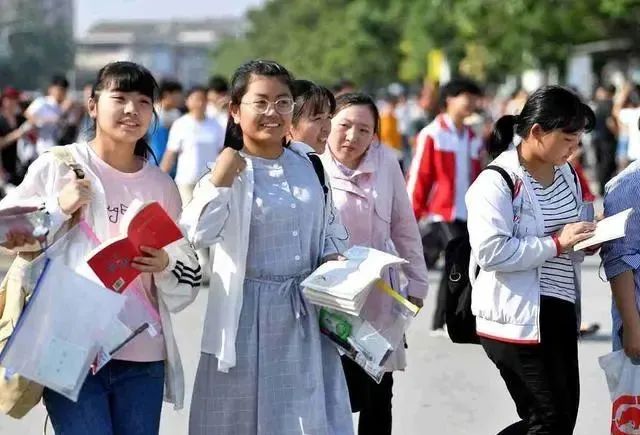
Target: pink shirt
<point x="374" y="207"/>
<point x="121" y="188"/>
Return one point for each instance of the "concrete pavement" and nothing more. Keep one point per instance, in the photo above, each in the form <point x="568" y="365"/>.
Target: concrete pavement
<point x="447" y="390"/>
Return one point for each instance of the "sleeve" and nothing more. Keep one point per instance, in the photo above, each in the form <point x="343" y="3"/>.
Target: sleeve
<point x="421" y="175"/>
<point x="622" y="254"/>
<point x="335" y="234"/>
<point x="37" y="189"/>
<point x="178" y="284"/>
<point x="174" y="142"/>
<point x="626" y="116"/>
<point x="204" y="218"/>
<point x="491" y="225"/>
<point x="406" y="237"/>
<point x="35" y="107"/>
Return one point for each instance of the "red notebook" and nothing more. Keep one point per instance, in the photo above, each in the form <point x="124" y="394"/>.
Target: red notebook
<point x="143" y="225"/>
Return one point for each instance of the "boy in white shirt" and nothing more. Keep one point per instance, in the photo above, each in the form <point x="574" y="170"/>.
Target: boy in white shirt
<point x="46" y="113"/>
<point x="194" y="141"/>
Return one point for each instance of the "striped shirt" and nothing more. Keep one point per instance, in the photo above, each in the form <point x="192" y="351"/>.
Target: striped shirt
<point x="622" y="255"/>
<point x="559" y="207"/>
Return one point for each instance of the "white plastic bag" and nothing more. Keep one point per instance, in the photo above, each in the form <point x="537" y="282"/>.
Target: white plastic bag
<point x="623" y="379"/>
<point x="57" y="337"/>
<point x="137" y="316"/>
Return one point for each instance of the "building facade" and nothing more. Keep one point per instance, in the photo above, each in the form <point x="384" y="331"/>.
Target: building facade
<point x="178" y="49"/>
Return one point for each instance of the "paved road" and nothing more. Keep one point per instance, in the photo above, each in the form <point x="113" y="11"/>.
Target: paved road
<point x="447" y="390"/>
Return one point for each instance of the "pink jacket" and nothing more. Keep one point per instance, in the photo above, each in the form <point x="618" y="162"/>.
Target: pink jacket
<point x="374" y="207"/>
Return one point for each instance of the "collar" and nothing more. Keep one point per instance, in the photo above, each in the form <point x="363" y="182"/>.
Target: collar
<point x="367" y="165"/>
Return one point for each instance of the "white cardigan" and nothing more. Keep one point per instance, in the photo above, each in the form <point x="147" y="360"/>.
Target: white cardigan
<point x="44" y="180"/>
<point x="508" y="243"/>
<point x="219" y="218"/>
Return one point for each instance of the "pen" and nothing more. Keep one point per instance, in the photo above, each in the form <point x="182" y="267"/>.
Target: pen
<point x="133" y="335"/>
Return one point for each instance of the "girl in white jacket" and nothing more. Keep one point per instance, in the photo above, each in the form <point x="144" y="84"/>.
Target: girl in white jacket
<point x="125" y="396"/>
<point x="526" y="296"/>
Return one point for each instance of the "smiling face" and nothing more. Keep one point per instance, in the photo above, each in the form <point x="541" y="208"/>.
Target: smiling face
<point x="352" y="132"/>
<point x="124" y="117"/>
<point x="313" y="129"/>
<point x="271" y="126"/>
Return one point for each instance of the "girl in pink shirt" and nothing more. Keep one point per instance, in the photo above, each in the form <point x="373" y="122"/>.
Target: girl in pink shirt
<point x="370" y="194"/>
<point x="125" y="396"/>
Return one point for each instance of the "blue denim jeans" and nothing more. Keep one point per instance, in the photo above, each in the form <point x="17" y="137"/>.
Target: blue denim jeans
<point x="124" y="398"/>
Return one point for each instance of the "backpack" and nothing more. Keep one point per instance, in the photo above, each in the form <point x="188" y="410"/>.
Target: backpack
<point x="461" y="323"/>
<point x="19" y="395"/>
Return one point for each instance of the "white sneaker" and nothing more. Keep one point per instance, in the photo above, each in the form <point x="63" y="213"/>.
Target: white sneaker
<point x="440" y="332"/>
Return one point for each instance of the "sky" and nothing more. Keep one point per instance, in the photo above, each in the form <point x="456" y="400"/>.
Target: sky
<point x="90" y="11"/>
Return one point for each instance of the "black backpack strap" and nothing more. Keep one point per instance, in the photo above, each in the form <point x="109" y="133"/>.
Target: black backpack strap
<point x="506" y="176"/>
<point x="319" y="170"/>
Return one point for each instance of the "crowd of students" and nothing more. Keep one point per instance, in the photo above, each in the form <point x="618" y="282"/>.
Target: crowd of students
<point x="269" y="177"/>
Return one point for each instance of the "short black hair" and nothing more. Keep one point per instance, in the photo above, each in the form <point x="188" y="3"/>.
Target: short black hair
<point x="59" y="80"/>
<point x="311" y="99"/>
<point x="194" y="89"/>
<point x="169" y="87"/>
<point x="219" y="84"/>
<point x="457" y="87"/>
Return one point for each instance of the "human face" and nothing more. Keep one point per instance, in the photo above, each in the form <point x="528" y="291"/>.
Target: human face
<point x="217" y="99"/>
<point x="462" y="105"/>
<point x="58" y="93"/>
<point x="122" y="116"/>
<point x="10" y="105"/>
<point x="352" y="132"/>
<point x="197" y="103"/>
<point x="313" y="130"/>
<point x="269" y="127"/>
<point x="555" y="146"/>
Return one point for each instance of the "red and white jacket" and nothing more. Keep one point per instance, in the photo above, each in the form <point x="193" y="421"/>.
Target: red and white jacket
<point x="444" y="166"/>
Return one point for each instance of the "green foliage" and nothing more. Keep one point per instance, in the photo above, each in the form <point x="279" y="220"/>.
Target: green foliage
<point x="38" y="48"/>
<point x="377" y="41"/>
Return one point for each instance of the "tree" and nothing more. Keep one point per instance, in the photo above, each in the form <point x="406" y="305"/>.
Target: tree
<point x="38" y="48"/>
<point x="322" y="41"/>
<point x="377" y="41"/>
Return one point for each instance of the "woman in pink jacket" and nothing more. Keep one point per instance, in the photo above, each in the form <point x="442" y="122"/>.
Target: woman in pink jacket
<point x="370" y="194"/>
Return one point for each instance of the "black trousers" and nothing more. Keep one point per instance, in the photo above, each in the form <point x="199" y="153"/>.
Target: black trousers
<point x="371" y="400"/>
<point x="605" y="151"/>
<point x="542" y="378"/>
<point x="447" y="232"/>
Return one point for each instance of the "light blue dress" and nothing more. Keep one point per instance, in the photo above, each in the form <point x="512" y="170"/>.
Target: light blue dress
<point x="288" y="379"/>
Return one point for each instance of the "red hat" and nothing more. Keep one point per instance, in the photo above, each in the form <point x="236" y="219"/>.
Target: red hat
<point x="11" y="93"/>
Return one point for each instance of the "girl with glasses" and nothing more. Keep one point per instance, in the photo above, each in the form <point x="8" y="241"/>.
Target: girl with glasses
<point x="264" y="368"/>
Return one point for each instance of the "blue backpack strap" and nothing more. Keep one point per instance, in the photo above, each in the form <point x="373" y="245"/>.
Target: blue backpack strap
<point x="505" y="176"/>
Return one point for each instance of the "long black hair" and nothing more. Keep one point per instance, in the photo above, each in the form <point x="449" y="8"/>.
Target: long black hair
<point x="360" y="99"/>
<point x="127" y="77"/>
<point x="311" y="99"/>
<point x="239" y="85"/>
<point x="551" y="107"/>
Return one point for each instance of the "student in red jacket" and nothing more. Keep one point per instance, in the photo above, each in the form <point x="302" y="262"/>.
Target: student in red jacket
<point x="446" y="162"/>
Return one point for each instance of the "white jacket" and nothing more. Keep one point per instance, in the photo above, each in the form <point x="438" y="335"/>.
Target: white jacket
<point x="44" y="180"/>
<point x="220" y="217"/>
<point x="508" y="243"/>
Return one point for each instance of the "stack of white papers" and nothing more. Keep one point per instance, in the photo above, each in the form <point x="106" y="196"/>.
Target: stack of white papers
<point x="611" y="228"/>
<point x="344" y="285"/>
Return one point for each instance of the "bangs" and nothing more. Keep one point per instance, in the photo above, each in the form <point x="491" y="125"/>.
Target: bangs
<point x="317" y="102"/>
<point x="128" y="77"/>
<point x="581" y="118"/>
<point x="311" y="100"/>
